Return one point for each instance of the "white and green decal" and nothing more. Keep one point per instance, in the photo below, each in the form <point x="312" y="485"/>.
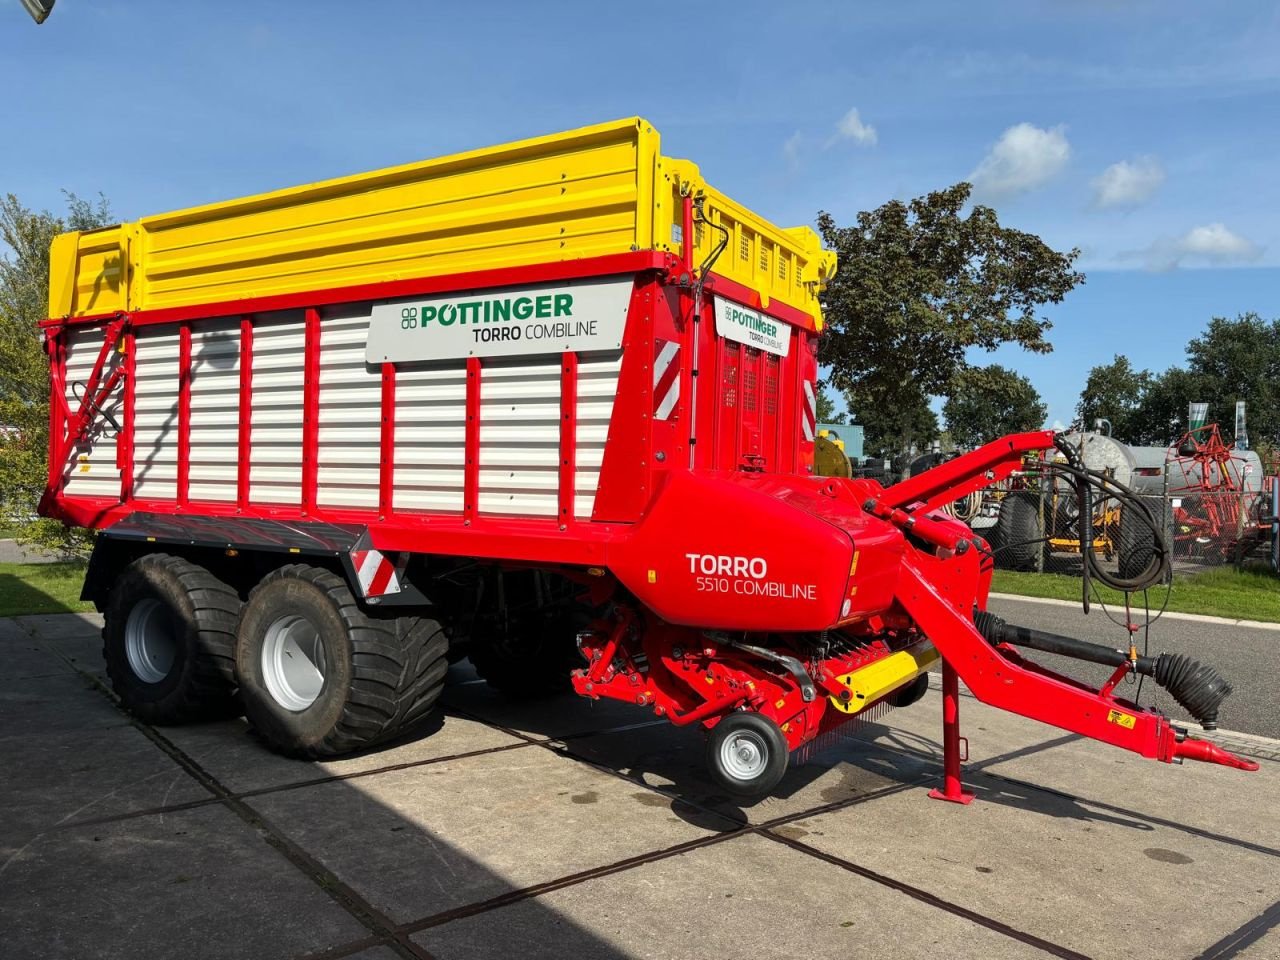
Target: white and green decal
<point x="576" y="315"/>
<point x="755" y="329"/>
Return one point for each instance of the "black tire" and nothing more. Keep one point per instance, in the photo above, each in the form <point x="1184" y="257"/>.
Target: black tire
<point x="911" y="692"/>
<point x="380" y="677"/>
<point x="168" y="637"/>
<point x="1018" y="536"/>
<point x="765" y="752"/>
<point x="1137" y="541"/>
<point x="534" y="657"/>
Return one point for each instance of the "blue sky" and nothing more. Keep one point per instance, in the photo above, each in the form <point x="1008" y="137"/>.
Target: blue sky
<point x="1144" y="133"/>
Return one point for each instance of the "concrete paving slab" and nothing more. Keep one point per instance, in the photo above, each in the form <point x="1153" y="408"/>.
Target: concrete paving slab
<point x="58" y="626"/>
<point x="68" y="754"/>
<point x="1110" y="781"/>
<point x="82" y="651"/>
<point x="375" y="953"/>
<point x="194" y="884"/>
<point x="674" y="759"/>
<point x="560" y="716"/>
<point x="240" y="761"/>
<point x="745" y="899"/>
<point x="1092" y="881"/>
<point x="1267" y="946"/>
<point x="420" y="841"/>
<point x="30" y="708"/>
<point x="22" y="657"/>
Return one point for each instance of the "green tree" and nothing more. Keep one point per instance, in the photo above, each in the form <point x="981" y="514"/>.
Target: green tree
<point x="920" y="284"/>
<point x="987" y="402"/>
<point x="1114" y="391"/>
<point x="1232" y="360"/>
<point x="826" y="406"/>
<point x="24" y="372"/>
<point x="893" y="429"/>
<point x="1161" y="415"/>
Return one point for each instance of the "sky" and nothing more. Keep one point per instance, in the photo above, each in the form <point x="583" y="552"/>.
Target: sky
<point x="1142" y="133"/>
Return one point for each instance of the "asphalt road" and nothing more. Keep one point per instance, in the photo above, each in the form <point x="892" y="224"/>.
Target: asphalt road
<point x="1248" y="657"/>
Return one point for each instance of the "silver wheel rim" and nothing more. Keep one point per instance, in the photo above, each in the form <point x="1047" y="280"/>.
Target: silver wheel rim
<point x="293" y="662"/>
<point x="744" y="755"/>
<point x="149" y="642"/>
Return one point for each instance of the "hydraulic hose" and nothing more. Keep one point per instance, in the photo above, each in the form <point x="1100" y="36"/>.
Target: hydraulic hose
<point x="1083" y="481"/>
<point x="1198" y="688"/>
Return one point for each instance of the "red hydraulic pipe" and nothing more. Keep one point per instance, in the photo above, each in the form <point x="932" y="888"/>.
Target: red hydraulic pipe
<point x="707" y="709"/>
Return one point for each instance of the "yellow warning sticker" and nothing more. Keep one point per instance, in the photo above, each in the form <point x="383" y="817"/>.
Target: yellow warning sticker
<point x="1126" y="720"/>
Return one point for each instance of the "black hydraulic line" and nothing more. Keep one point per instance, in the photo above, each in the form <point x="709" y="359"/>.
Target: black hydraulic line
<point x="1200" y="689"/>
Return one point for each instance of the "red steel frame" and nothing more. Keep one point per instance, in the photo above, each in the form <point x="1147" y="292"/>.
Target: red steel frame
<point x="387" y="443"/>
<point x="184" y="416"/>
<point x="244" y="452"/>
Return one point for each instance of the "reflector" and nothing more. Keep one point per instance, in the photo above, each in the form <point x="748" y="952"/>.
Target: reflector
<point x="39" y="9"/>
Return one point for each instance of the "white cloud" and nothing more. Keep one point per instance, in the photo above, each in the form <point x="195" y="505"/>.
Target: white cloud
<point x="852" y="128"/>
<point x="1025" y="157"/>
<point x="1212" y="245"/>
<point x="1127" y="183"/>
<point x="791" y="150"/>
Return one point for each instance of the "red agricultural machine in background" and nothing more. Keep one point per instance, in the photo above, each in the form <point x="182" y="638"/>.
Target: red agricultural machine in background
<point x="1217" y="494"/>
<point x="549" y="405"/>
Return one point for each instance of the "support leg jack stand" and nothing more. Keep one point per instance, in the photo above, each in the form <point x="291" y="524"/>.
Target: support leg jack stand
<point x="952" y="789"/>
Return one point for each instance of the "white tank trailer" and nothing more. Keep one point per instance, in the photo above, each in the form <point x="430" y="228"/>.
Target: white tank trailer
<point x="1142" y="469"/>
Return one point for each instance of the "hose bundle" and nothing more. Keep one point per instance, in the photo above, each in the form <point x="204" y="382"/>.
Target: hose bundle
<point x="1085" y="482"/>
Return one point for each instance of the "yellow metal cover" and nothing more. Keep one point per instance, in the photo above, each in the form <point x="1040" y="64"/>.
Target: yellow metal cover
<point x="868" y="684"/>
<point x="590" y="192"/>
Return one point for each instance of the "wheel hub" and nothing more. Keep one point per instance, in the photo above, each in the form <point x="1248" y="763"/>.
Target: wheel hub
<point x="293" y="663"/>
<point x="150" y="641"/>
<point x="744" y="755"/>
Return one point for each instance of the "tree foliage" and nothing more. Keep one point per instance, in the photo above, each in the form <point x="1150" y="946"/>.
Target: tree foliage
<point x="988" y="402"/>
<point x="893" y="430"/>
<point x="1114" y="392"/>
<point x="1234" y="359"/>
<point x="24" y="373"/>
<point x="826" y="407"/>
<point x="920" y="284"/>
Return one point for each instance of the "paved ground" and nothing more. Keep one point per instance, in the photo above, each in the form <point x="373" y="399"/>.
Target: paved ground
<point x="567" y="829"/>
<point x="12" y="552"/>
<point x="1248" y="657"/>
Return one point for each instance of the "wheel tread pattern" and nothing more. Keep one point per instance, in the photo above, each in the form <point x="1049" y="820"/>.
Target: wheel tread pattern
<point x="397" y="670"/>
<point x="216" y="612"/>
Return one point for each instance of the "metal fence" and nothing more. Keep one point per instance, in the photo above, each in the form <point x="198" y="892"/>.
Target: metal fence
<point x="1036" y="527"/>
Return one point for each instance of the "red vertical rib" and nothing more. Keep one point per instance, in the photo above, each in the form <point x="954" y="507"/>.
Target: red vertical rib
<point x="246" y="411"/>
<point x="124" y="440"/>
<point x="387" y="446"/>
<point x="471" y="474"/>
<point x="568" y="433"/>
<point x="310" y="411"/>
<point x="184" y="415"/>
<point x="56" y="347"/>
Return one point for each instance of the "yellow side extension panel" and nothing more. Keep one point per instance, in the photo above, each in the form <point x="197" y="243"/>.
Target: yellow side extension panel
<point x="590" y="192"/>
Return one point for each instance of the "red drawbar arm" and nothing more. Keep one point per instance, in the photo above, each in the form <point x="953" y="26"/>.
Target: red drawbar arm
<point x="958" y="478"/>
<point x="1040" y="694"/>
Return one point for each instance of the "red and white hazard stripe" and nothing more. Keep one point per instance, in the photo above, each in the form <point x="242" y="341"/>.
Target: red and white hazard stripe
<point x="809" y="415"/>
<point x="376" y="574"/>
<point x="666" y="379"/>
